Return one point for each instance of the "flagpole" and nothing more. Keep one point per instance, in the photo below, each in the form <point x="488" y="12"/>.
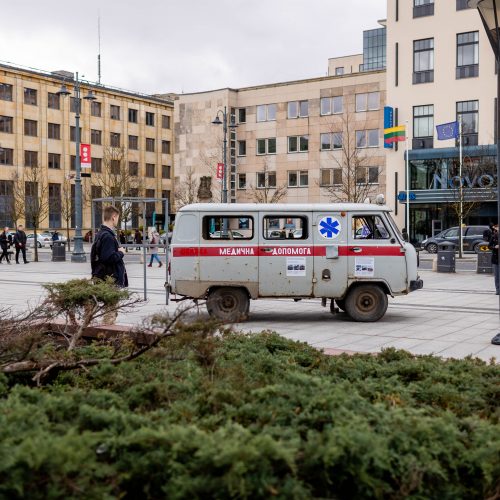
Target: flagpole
<point x="461" y="206"/>
<point x="407" y="186"/>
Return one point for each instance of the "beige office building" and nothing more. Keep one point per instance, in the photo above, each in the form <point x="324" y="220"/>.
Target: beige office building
<point x="440" y="68"/>
<point x="290" y="143"/>
<point x="130" y="136"/>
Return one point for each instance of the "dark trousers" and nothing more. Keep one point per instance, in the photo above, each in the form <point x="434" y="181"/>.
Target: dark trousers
<point x="23" y="250"/>
<point x="4" y="254"/>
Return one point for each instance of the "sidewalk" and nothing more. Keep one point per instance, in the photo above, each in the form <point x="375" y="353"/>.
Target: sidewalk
<point x="455" y="315"/>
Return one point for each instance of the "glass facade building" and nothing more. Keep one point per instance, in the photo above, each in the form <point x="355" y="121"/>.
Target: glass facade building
<point x="374" y="49"/>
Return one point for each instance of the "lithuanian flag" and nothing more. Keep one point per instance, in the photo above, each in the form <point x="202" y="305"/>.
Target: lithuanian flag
<point x="394" y="134"/>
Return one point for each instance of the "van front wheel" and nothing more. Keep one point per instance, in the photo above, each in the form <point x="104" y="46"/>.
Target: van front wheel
<point x="228" y="304"/>
<point x="366" y="303"/>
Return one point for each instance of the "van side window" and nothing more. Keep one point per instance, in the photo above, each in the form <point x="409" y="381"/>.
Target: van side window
<point x="227" y="227"/>
<point x="369" y="227"/>
<point x="284" y="227"/>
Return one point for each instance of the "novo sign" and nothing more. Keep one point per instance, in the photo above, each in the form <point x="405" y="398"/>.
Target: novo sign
<point x="478" y="181"/>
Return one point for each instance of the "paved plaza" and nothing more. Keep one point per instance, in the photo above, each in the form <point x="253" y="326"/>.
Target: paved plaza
<point x="455" y="315"/>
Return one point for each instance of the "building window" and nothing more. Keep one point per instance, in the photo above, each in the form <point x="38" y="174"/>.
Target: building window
<point x="367" y="175"/>
<point x="165" y="147"/>
<point x="266" y="146"/>
<point x="5" y="92"/>
<point x="73" y="104"/>
<point x="53" y="101"/>
<point x="339" y="71"/>
<point x="266" y="112"/>
<point x="54" y="160"/>
<point x="6" y="124"/>
<point x="6" y="156"/>
<point x="468" y="113"/>
<point x="54" y="131"/>
<point x="242" y="115"/>
<point x="72" y="162"/>
<point x="331" y="177"/>
<point x="30" y="158"/>
<point x="423" y="61"/>
<point x="54" y="205"/>
<point x="96" y="137"/>
<point x="331" y="105"/>
<point x="114" y="139"/>
<point x="242" y="148"/>
<point x="115" y="167"/>
<point x="298" y="144"/>
<point x="6" y="201"/>
<point x="132" y="115"/>
<point x="95" y="108"/>
<point x="30" y="128"/>
<point x="462" y="4"/>
<point x="298" y="109"/>
<point x="242" y="181"/>
<point x="114" y="112"/>
<point x="166" y="171"/>
<point x="150" y="169"/>
<point x="133" y="142"/>
<point x="423" y="121"/>
<point x="96" y="165"/>
<point x="331" y="140"/>
<point x="367" y="138"/>
<point x="467" y="55"/>
<point x="369" y="101"/>
<point x="30" y="96"/>
<point x="298" y="178"/>
<point x="150" y="145"/>
<point x="266" y="180"/>
<point x="374" y="49"/>
<point x="72" y="133"/>
<point x="133" y="168"/>
<point x="150" y="119"/>
<point x="165" y="121"/>
<point x="423" y="8"/>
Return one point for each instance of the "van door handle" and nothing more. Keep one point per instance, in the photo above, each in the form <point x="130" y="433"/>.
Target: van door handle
<point x="356" y="249"/>
<point x="266" y="250"/>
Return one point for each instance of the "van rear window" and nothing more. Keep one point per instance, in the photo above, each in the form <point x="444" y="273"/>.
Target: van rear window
<point x="225" y="227"/>
<point x="285" y="227"/>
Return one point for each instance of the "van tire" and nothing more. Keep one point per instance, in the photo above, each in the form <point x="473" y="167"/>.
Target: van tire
<point x="228" y="304"/>
<point x="366" y="303"/>
<point x="340" y="304"/>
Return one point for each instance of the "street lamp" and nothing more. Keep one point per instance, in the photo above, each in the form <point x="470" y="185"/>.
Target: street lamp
<point x="489" y="11"/>
<point x="78" y="254"/>
<point x="232" y="126"/>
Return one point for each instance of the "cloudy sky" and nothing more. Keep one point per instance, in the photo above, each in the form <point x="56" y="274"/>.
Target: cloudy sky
<point x="186" y="45"/>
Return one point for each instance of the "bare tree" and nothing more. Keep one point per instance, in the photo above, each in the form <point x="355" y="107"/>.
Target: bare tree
<point x="267" y="192"/>
<point x="186" y="189"/>
<point x="67" y="206"/>
<point x="16" y="205"/>
<point x="349" y="177"/>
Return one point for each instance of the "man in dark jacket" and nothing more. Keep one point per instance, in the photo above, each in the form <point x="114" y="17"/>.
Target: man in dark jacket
<point x="493" y="246"/>
<point x="4" y="244"/>
<point x="20" y="243"/>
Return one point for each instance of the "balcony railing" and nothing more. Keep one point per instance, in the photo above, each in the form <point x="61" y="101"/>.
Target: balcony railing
<point x="423" y="76"/>
<point x="423" y="10"/>
<point x="468" y="71"/>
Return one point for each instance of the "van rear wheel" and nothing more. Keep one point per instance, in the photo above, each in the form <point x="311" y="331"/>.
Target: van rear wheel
<point x="340" y="304"/>
<point x="228" y="304"/>
<point x="366" y="303"/>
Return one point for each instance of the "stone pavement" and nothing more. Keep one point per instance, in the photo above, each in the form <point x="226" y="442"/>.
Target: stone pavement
<point x="455" y="315"/>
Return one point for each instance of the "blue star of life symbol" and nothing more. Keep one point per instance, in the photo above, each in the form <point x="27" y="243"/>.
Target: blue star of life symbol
<point x="329" y="227"/>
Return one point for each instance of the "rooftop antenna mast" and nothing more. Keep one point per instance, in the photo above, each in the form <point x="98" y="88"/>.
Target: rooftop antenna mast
<point x="99" y="51"/>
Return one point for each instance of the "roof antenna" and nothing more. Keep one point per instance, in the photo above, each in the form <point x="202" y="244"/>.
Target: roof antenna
<point x="99" y="51"/>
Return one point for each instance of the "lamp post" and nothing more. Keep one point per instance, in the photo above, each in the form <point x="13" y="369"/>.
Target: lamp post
<point x="225" y="126"/>
<point x="78" y="254"/>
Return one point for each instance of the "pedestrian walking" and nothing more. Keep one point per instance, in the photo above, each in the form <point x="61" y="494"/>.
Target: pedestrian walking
<point x="106" y="256"/>
<point x="493" y="246"/>
<point x="5" y="242"/>
<point x="138" y="238"/>
<point x="154" y="239"/>
<point x="20" y="243"/>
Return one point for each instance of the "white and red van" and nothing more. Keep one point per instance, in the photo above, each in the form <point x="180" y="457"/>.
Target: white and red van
<point x="350" y="253"/>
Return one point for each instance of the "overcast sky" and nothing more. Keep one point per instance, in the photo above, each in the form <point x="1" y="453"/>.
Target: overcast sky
<point x="156" y="46"/>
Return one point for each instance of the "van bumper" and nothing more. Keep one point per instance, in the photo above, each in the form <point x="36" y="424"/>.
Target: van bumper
<point x="416" y="285"/>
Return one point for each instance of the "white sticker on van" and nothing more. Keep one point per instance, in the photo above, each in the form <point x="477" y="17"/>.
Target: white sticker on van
<point x="295" y="266"/>
<point x="364" y="267"/>
<point x="329" y="227"/>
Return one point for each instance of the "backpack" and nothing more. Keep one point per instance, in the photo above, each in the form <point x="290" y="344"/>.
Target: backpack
<point x="98" y="268"/>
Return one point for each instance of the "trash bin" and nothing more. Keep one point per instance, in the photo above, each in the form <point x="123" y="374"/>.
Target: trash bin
<point x="58" y="251"/>
<point x="484" y="260"/>
<point x="446" y="257"/>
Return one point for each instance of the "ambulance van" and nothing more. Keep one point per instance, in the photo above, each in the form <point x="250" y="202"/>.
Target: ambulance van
<point x="350" y="254"/>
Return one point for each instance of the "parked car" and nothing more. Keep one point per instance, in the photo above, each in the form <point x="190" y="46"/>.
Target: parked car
<point x="41" y="241"/>
<point x="472" y="238"/>
<point x="232" y="234"/>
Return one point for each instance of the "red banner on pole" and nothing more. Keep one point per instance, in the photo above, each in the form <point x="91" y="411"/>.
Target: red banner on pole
<point x="220" y="170"/>
<point x="85" y="160"/>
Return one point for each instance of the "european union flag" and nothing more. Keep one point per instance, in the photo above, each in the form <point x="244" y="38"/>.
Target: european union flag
<point x="447" y="131"/>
